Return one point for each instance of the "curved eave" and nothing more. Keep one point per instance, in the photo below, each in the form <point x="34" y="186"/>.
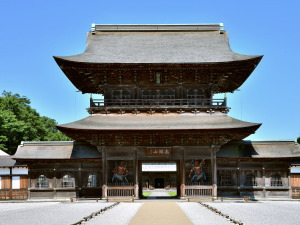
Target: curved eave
<point x="107" y="124"/>
<point x="69" y="60"/>
<point x="82" y="76"/>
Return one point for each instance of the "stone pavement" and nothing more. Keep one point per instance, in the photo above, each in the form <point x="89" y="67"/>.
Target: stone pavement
<point x="160" y="213"/>
<point x="160" y="192"/>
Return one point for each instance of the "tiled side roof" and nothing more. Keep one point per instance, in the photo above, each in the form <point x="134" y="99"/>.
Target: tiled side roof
<point x="6" y="161"/>
<point x="56" y="150"/>
<point x="260" y="149"/>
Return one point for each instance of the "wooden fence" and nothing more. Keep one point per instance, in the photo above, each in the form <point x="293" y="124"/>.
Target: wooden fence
<point x="191" y="191"/>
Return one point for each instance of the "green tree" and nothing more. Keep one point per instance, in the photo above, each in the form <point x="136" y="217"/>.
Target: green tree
<point x="19" y="122"/>
<point x="298" y="140"/>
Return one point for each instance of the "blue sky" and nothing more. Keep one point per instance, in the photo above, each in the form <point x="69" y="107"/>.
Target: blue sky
<point x="33" y="31"/>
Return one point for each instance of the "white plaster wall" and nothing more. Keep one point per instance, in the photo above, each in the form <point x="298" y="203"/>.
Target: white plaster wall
<point x="295" y="169"/>
<point x="15" y="182"/>
<point x="20" y="170"/>
<point x="4" y="171"/>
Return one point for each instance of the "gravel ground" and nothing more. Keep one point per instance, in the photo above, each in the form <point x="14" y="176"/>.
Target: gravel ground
<point x="119" y="215"/>
<point x="200" y="215"/>
<point x="46" y="213"/>
<point x="49" y="213"/>
<point x="261" y="213"/>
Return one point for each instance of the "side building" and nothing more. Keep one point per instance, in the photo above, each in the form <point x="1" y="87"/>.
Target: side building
<point x="158" y="107"/>
<point x="13" y="178"/>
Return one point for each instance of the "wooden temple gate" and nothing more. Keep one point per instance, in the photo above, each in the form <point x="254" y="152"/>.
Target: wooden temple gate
<point x="134" y="157"/>
<point x="157" y="104"/>
<point x="158" y="100"/>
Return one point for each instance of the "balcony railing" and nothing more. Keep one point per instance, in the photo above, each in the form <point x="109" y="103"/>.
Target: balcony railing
<point x="158" y="103"/>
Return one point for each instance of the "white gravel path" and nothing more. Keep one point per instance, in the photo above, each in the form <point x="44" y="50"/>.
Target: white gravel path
<point x="160" y="193"/>
<point x="121" y="214"/>
<point x="49" y="213"/>
<point x="200" y="215"/>
<point x="262" y="213"/>
<point x="46" y="213"/>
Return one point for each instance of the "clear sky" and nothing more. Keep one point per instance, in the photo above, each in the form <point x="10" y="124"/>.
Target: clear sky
<point x="33" y="31"/>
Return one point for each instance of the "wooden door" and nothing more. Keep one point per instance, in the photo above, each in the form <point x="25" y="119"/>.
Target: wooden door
<point x="5" y="189"/>
<point x="22" y="192"/>
<point x="295" y="184"/>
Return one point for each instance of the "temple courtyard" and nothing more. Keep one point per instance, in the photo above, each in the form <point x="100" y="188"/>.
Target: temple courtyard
<point x="150" y="212"/>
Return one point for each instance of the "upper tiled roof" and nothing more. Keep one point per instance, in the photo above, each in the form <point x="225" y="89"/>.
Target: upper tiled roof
<point x="157" y="44"/>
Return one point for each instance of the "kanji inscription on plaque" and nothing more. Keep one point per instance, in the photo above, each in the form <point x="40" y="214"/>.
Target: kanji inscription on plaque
<point x="159" y="151"/>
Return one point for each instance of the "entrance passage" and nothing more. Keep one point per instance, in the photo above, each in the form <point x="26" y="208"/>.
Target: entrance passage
<point x="160" y="213"/>
<point x="159" y="183"/>
<point x="159" y="179"/>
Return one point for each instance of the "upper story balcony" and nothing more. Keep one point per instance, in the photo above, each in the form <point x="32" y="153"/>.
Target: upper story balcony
<point x="194" y="105"/>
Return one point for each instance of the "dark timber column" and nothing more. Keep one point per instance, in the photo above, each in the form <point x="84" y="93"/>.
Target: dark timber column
<point x="136" y="173"/>
<point x="10" y="182"/>
<point x="213" y="150"/>
<point x="264" y="180"/>
<point x="79" y="180"/>
<point x="29" y="181"/>
<point x="54" y="183"/>
<point x="182" y="174"/>
<point x="104" y="170"/>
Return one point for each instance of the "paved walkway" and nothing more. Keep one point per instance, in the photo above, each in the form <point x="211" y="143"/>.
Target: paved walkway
<point x="160" y="192"/>
<point x="160" y="213"/>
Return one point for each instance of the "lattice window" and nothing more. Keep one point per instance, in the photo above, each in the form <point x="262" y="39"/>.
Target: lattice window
<point x="251" y="180"/>
<point x="195" y="93"/>
<point x="42" y="182"/>
<point x="92" y="180"/>
<point x="226" y="180"/>
<point x="158" y="94"/>
<point x="276" y="180"/>
<point x="67" y="181"/>
<point x="120" y="94"/>
<point x="195" y="96"/>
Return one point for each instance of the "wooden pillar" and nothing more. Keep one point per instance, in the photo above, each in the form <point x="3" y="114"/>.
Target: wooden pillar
<point x="213" y="151"/>
<point x="264" y="180"/>
<point x="10" y="182"/>
<point x="54" y="183"/>
<point x="136" y="174"/>
<point x="79" y="182"/>
<point x="238" y="178"/>
<point x="104" y="170"/>
<point x="182" y="174"/>
<point x="289" y="181"/>
<point x="28" y="184"/>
